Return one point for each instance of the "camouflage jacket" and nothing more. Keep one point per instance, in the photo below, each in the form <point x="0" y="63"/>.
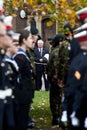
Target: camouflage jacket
<point x="58" y="63"/>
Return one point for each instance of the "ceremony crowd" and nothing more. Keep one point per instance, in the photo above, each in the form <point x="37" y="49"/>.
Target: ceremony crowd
<point x="24" y="59"/>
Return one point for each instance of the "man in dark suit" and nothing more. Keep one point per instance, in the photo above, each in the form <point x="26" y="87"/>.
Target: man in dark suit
<point x="41" y="58"/>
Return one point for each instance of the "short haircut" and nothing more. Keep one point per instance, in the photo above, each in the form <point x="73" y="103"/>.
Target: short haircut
<point x="23" y="34"/>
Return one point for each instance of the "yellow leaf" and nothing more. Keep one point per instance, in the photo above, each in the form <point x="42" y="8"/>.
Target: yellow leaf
<point x="49" y="23"/>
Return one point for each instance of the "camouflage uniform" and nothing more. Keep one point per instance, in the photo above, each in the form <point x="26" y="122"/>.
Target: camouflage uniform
<point x="55" y="90"/>
<point x="57" y="71"/>
<point x="63" y="61"/>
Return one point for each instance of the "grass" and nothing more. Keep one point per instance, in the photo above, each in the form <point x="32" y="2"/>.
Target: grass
<point x="41" y="110"/>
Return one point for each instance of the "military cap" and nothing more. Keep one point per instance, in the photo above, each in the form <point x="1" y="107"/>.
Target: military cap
<point x="8" y="23"/>
<point x="67" y="25"/>
<point x="68" y="28"/>
<point x="82" y="36"/>
<point x="10" y="32"/>
<point x="54" y="41"/>
<point x="34" y="31"/>
<point x="58" y="38"/>
<point x="84" y="26"/>
<point x="82" y="14"/>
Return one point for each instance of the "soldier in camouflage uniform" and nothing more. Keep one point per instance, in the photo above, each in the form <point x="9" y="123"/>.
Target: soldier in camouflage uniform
<point x="57" y="71"/>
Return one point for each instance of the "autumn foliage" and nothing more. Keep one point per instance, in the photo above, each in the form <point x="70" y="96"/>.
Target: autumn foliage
<point x="60" y="10"/>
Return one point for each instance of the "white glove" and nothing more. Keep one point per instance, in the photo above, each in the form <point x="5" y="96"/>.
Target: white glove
<point x="74" y="119"/>
<point x="2" y="94"/>
<point x="85" y="123"/>
<point x="8" y="92"/>
<point x="64" y="116"/>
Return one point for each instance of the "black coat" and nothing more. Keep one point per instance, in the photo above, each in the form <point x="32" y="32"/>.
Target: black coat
<point x="75" y="49"/>
<point x="24" y="91"/>
<point x="4" y="75"/>
<point x="75" y="83"/>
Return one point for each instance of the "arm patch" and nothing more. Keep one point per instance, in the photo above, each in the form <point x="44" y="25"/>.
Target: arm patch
<point x="77" y="75"/>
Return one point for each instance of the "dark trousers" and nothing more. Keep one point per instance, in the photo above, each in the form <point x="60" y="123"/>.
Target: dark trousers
<point x="39" y="73"/>
<point x="2" y="105"/>
<point x="6" y="116"/>
<point x="80" y="115"/>
<point x="23" y="116"/>
<point x="55" y="100"/>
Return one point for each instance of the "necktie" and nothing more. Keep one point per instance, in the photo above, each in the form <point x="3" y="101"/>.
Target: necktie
<point x="40" y="51"/>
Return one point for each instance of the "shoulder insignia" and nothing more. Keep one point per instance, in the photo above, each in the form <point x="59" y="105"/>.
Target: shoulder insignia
<point x="77" y="75"/>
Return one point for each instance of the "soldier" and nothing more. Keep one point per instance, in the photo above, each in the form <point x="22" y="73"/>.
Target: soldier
<point x="56" y="77"/>
<point x="15" y="75"/>
<point x="30" y="53"/>
<point x="75" y="48"/>
<point x="68" y="31"/>
<point x="6" y="106"/>
<point x="24" y="91"/>
<point x="79" y="108"/>
<point x="75" y="91"/>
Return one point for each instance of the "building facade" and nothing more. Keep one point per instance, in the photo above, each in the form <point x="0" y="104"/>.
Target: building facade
<point x="44" y="31"/>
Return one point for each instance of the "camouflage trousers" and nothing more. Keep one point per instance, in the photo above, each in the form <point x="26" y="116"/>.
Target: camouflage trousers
<point x="55" y="100"/>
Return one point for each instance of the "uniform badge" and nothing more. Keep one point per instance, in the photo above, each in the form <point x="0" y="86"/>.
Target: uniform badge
<point x="2" y="64"/>
<point x="2" y="51"/>
<point x="77" y="75"/>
